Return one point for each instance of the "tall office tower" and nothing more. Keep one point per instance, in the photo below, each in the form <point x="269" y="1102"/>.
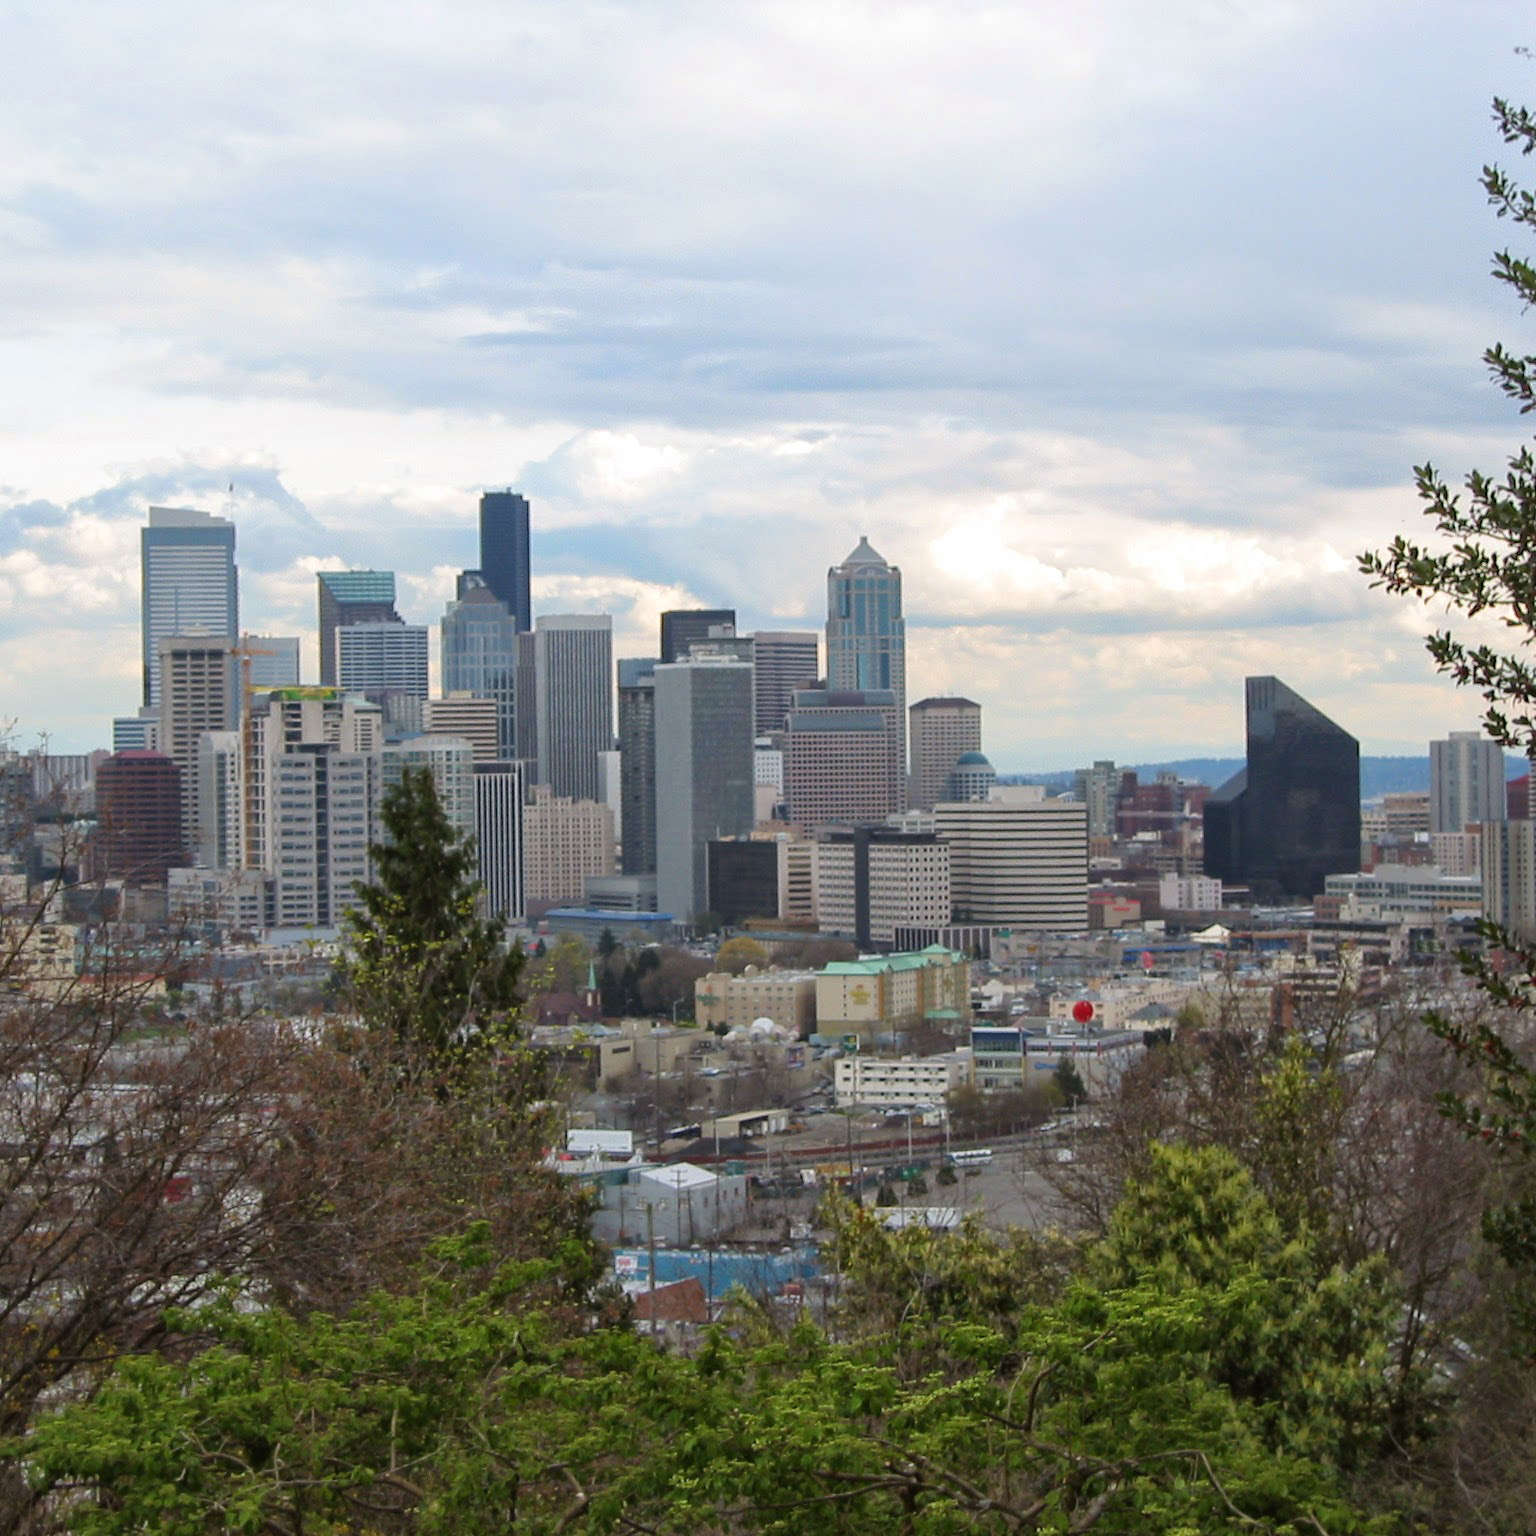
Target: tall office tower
<point x="525" y="689"/>
<point x="637" y="764"/>
<point x="479" y="657"/>
<point x="1292" y="816"/>
<point x="137" y="733"/>
<point x="703" y="773"/>
<point x="680" y="627"/>
<point x="462" y="714"/>
<point x="382" y="657"/>
<point x="564" y="842"/>
<point x="1466" y="782"/>
<point x="785" y="660"/>
<point x="450" y="760"/>
<point x="1019" y="860"/>
<point x="942" y="729"/>
<point x="138" y="818"/>
<point x="504" y="565"/>
<point x="220" y="802"/>
<point x="1099" y="788"/>
<point x="190" y="584"/>
<point x="842" y="757"/>
<point x="573" y="681"/>
<point x="199" y="692"/>
<point x="313" y="781"/>
<point x="270" y="661"/>
<point x="499" y="838"/>
<point x="866" y="634"/>
<point x="351" y="597"/>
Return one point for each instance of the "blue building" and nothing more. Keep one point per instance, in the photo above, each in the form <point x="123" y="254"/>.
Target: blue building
<point x="504" y="566"/>
<point x="866" y="634"/>
<point x="479" y="656"/>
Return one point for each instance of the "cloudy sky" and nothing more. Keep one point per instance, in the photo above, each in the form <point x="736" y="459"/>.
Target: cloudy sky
<point x="1117" y="325"/>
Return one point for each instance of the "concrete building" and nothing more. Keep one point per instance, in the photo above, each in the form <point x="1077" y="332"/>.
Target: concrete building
<point x="1012" y="1057"/>
<point x="1458" y="853"/>
<point x="884" y="994"/>
<point x="1099" y="788"/>
<point x="564" y="842"/>
<point x="843" y="758"/>
<point x="866" y="633"/>
<point x="873" y="880"/>
<point x="199" y="692"/>
<point x="1189" y="893"/>
<point x="475" y="719"/>
<point x="885" y="1081"/>
<point x="1398" y="890"/>
<point x="380" y="657"/>
<point x="450" y="760"/>
<point x="138" y="837"/>
<point x="573" y="671"/>
<point x="350" y="597"/>
<point x="942" y="730"/>
<point x="1018" y="860"/>
<point x="499" y="796"/>
<point x="479" y="658"/>
<point x="704" y="734"/>
<point x="189" y="584"/>
<point x="637" y="764"/>
<point x="314" y="783"/>
<point x="721" y="1000"/>
<point x="972" y="778"/>
<point x="1466" y="782"/>
<point x="785" y="660"/>
<point x="1509" y="876"/>
<point x="220" y="819"/>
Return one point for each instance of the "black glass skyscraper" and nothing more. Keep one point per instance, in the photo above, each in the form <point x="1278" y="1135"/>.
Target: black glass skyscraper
<point x="504" y="552"/>
<point x="680" y="627"/>
<point x="1292" y="816"/>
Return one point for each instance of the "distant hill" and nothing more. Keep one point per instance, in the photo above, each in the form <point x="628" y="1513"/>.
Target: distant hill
<point x="1378" y="775"/>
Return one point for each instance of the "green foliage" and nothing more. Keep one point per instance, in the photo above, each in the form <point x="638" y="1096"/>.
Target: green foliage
<point x="737" y="953"/>
<point x="1163" y="1391"/>
<point x="1069" y="1081"/>
<point x="422" y="963"/>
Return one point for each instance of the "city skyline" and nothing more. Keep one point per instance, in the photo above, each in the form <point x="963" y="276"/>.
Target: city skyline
<point x="1118" y="332"/>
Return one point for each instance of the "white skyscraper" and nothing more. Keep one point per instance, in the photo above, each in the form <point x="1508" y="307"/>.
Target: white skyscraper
<point x="573" y="683"/>
<point x="382" y="657"/>
<point x="199" y="692"/>
<point x="499" y="838"/>
<point x="189" y="584"/>
<point x="450" y="761"/>
<point x="704" y="773"/>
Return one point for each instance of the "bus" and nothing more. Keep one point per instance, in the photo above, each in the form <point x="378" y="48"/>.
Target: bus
<point x="974" y="1157"/>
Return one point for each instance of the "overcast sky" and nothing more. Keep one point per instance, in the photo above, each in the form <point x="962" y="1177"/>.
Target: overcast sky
<point x="1118" y="326"/>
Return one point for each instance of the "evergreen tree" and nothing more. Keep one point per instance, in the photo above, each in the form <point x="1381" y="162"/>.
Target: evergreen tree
<point x="423" y="964"/>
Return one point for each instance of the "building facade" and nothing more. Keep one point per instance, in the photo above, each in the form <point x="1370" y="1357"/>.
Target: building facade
<point x="477" y="720"/>
<point x="637" y="764"/>
<point x="873" y="880"/>
<point x="843" y="758"/>
<point x="941" y="730"/>
<point x="573" y="668"/>
<point x="1018" y="860"/>
<point x="380" y="657"/>
<point x="564" y="842"/>
<point x="138" y="837"/>
<point x="704" y="735"/>
<point x="680" y="627"/>
<point x="189" y="584"/>
<point x="1466" y="782"/>
<point x="785" y="660"/>
<point x="450" y="760"/>
<point x="866" y="633"/>
<point x="479" y="658"/>
<point x="1291" y="818"/>
<point x="199" y="692"/>
<point x="504" y="559"/>
<point x="350" y="597"/>
<point x="499" y="838"/>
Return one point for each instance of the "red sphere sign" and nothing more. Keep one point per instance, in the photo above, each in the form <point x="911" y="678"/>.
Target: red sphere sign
<point x="1082" y="1010"/>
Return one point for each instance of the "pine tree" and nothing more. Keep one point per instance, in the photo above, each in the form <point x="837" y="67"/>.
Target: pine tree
<point x="423" y="964"/>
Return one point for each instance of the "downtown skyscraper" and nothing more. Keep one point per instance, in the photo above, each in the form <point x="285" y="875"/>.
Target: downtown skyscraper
<point x="866" y="634"/>
<point x="189" y="583"/>
<point x="504" y="559"/>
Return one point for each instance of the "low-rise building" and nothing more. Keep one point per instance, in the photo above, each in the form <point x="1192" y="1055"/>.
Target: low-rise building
<point x="883" y="993"/>
<point x="1010" y="1056"/>
<point x="907" y="1080"/>
<point x="735" y="1002"/>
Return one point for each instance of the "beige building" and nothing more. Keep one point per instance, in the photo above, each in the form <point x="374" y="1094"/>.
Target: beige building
<point x="786" y="997"/>
<point x="199" y="693"/>
<point x="843" y="757"/>
<point x="942" y="729"/>
<point x="883" y="993"/>
<point x="564" y="842"/>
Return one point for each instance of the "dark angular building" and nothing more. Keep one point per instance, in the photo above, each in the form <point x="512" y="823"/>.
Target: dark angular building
<point x="743" y="879"/>
<point x="1292" y="816"/>
<point x="637" y="764"/>
<point x="504" y="566"/>
<point x="680" y="627"/>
